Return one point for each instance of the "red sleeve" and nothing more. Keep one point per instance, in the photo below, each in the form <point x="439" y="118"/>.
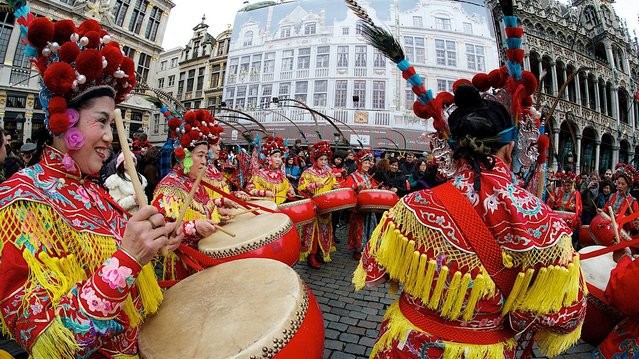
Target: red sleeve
<point x="349" y="182"/>
<point x="623" y="287"/>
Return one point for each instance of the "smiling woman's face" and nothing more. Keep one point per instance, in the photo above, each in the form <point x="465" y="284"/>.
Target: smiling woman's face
<point x="95" y="125"/>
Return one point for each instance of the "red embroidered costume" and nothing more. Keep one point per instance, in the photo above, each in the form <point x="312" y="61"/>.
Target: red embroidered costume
<point x="65" y="288"/>
<point x="319" y="233"/>
<point x="567" y="200"/>
<point x="271" y="177"/>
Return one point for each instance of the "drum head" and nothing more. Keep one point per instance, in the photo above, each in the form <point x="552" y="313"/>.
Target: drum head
<point x="597" y="270"/>
<point x="251" y="232"/>
<point x="234" y="310"/>
<point x="264" y="203"/>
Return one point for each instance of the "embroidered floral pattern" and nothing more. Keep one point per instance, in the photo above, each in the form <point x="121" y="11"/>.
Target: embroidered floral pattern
<point x="95" y="303"/>
<point x="116" y="276"/>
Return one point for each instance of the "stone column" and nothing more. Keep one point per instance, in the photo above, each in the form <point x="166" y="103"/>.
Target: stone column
<point x="604" y="108"/>
<point x="597" y="145"/>
<point x="615" y="155"/>
<point x="527" y="63"/>
<point x="565" y="76"/>
<point x="615" y="105"/>
<point x="553" y="72"/>
<point x="3" y="106"/>
<point x="577" y="81"/>
<point x="578" y="150"/>
<point x="597" y="102"/>
<point x="555" y="139"/>
<point x="27" y="128"/>
<point x="587" y="99"/>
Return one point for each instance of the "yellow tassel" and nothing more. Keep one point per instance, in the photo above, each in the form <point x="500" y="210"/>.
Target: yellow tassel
<point x="131" y="311"/>
<point x="420" y="274"/>
<point x="414" y="273"/>
<point x="393" y="287"/>
<point x="150" y="292"/>
<point x="506" y="259"/>
<point x="479" y="286"/>
<point x="553" y="344"/>
<point x="460" y="296"/>
<point x="452" y="293"/>
<point x="439" y="287"/>
<point x="513" y="293"/>
<point x="359" y="277"/>
<point x="428" y="280"/>
<point x="56" y="341"/>
<point x="124" y="356"/>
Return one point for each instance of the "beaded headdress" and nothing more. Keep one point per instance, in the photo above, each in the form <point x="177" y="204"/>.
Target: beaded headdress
<point x="273" y="145"/>
<point x="320" y="149"/>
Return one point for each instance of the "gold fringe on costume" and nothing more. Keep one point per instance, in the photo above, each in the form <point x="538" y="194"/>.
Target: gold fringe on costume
<point x="57" y="256"/>
<point x="280" y="190"/>
<point x="400" y="242"/>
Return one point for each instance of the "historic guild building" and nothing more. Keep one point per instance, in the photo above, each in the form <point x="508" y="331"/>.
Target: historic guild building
<point x="138" y="25"/>
<point x="313" y="52"/>
<point x="595" y="122"/>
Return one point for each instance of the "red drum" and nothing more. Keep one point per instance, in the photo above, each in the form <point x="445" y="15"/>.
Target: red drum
<point x="601" y="230"/>
<point x="269" y="235"/>
<point x="300" y="212"/>
<point x="585" y="239"/>
<point x="250" y="308"/>
<point x="601" y="318"/>
<point x="376" y="200"/>
<point x="335" y="200"/>
<point x="570" y="218"/>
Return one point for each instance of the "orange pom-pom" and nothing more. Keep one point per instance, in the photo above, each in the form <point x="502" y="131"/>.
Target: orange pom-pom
<point x="40" y="32"/>
<point x="461" y="82"/>
<point x="94" y="39"/>
<point x="69" y="52"/>
<point x="89" y="64"/>
<point x="529" y="81"/>
<point x="89" y="25"/>
<point x="58" y="123"/>
<point x="113" y="57"/>
<point x="497" y="78"/>
<point x="481" y="82"/>
<point x="57" y="104"/>
<point x="63" y="31"/>
<point x="58" y="78"/>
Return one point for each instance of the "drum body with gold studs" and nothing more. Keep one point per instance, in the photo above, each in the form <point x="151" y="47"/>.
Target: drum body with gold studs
<point x="300" y="212"/>
<point x="335" y="200"/>
<point x="376" y="200"/>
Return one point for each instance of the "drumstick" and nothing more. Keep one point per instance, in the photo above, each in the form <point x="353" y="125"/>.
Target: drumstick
<point x="250" y="210"/>
<point x="614" y="223"/>
<point x="219" y="228"/>
<point x="129" y="166"/>
<point x="189" y="198"/>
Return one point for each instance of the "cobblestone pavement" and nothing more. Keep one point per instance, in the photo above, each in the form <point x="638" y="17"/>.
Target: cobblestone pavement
<point x="352" y="318"/>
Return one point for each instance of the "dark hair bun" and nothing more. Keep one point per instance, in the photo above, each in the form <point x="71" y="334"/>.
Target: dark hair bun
<point x="467" y="97"/>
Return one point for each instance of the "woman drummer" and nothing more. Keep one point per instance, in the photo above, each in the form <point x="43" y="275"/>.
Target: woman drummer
<point x="270" y="181"/>
<point x="622" y="198"/>
<point x="192" y="136"/>
<point x="75" y="278"/>
<point x="317" y="237"/>
<point x="361" y="223"/>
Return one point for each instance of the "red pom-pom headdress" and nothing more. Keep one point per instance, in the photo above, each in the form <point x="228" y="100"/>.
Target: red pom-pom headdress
<point x="320" y="149"/>
<point x="567" y="177"/>
<point x="273" y="145"/>
<point x="628" y="171"/>
<point x="194" y="128"/>
<point x="73" y="62"/>
<point x="364" y="155"/>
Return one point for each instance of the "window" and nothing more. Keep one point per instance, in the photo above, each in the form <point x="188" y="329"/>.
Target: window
<point x="256" y="63"/>
<point x="301" y="90"/>
<point x="309" y="29"/>
<point x="360" y="56"/>
<point x="161" y="83"/>
<point x="319" y="93"/>
<point x="468" y="28"/>
<point x="119" y="11"/>
<point x="137" y="16"/>
<point x="253" y="91"/>
<point x="19" y="58"/>
<point x="415" y="49"/>
<point x="233" y="64"/>
<point x="163" y="65"/>
<point x="68" y="2"/>
<point x="248" y="38"/>
<point x="359" y="89"/>
<point x="285" y="31"/>
<point x="180" y="90"/>
<point x="323" y="57"/>
<point x="446" y="52"/>
<point x="342" y="56"/>
<point x="475" y="57"/>
<point x="269" y="62"/>
<point x="215" y="76"/>
<point x="287" y="60"/>
<point x="444" y="85"/>
<point x="341" y="88"/>
<point x="128" y="51"/>
<point x="174" y="62"/>
<point x="171" y="80"/>
<point x="267" y="92"/>
<point x="190" y="80"/>
<point x="379" y="60"/>
<point x="344" y="31"/>
<point x="144" y="62"/>
<point x="15" y="101"/>
<point x="304" y="58"/>
<point x="379" y="95"/>
<point x="153" y="24"/>
<point x="240" y="96"/>
<point x="285" y="91"/>
<point x="418" y="21"/>
<point x="359" y="28"/>
<point x="244" y="65"/>
<point x="200" y="79"/>
<point x="443" y="23"/>
<point x="156" y="123"/>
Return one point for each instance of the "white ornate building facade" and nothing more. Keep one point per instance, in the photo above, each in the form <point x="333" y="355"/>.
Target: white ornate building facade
<point x="138" y="25"/>
<point x="313" y="52"/>
<point x="595" y="122"/>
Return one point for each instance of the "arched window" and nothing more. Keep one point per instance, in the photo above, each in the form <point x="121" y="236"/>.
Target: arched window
<point x="248" y="38"/>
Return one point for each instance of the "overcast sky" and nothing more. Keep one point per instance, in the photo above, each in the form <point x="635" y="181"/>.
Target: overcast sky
<point x="220" y="13"/>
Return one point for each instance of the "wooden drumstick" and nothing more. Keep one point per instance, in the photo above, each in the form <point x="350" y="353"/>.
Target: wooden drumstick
<point x="246" y="211"/>
<point x="614" y="223"/>
<point x="189" y="198"/>
<point x="219" y="228"/>
<point x="129" y="166"/>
